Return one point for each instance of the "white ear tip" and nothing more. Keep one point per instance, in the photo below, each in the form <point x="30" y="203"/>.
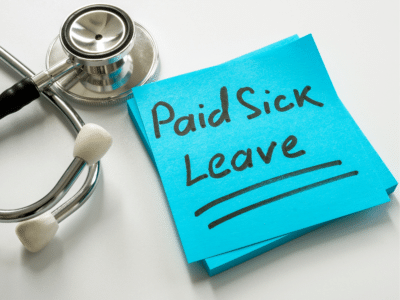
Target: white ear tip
<point x="36" y="233"/>
<point x="92" y="142"/>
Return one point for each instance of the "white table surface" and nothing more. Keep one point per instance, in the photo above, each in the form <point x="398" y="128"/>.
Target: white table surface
<point x="123" y="243"/>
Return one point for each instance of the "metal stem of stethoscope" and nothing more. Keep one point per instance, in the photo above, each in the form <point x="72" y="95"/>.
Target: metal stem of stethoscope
<point x="70" y="175"/>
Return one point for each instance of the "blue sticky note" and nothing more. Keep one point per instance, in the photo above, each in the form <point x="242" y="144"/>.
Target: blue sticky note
<point x="219" y="263"/>
<point x="222" y="262"/>
<point x="225" y="189"/>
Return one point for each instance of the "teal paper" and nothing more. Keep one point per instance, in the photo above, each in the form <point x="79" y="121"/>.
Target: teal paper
<point x="222" y="262"/>
<point x="320" y="131"/>
<point x="219" y="263"/>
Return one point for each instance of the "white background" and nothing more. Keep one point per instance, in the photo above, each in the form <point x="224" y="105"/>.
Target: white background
<point x="122" y="244"/>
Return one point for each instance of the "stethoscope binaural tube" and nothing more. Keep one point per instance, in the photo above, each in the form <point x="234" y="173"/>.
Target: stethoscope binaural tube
<point x="35" y="238"/>
<point x="96" y="40"/>
<point x="91" y="62"/>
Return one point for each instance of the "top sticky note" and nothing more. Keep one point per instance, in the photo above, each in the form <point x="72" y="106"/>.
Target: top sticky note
<point x="254" y="149"/>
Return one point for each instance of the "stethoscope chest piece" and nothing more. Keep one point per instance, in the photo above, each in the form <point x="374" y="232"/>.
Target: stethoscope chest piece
<point x="114" y="55"/>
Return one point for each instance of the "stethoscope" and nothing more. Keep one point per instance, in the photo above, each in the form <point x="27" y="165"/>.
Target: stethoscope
<point x="99" y="55"/>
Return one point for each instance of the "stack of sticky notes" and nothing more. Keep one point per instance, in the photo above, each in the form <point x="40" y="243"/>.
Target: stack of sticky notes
<point x="256" y="152"/>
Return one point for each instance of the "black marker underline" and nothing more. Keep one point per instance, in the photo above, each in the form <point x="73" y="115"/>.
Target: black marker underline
<point x="278" y="197"/>
<point x="263" y="183"/>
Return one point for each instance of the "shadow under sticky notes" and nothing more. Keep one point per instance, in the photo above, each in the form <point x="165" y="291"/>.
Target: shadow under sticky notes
<point x="266" y="194"/>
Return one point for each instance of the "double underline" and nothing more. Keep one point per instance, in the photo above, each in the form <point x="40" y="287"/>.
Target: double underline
<point x="275" y="198"/>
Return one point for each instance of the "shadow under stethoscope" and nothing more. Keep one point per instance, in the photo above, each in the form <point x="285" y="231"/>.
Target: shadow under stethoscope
<point x="50" y="255"/>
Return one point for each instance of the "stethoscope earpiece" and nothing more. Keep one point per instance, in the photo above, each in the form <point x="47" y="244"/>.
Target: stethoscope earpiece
<point x="36" y="233"/>
<point x="92" y="143"/>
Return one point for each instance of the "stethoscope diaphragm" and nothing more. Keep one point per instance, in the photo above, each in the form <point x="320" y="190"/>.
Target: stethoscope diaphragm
<point x="116" y="55"/>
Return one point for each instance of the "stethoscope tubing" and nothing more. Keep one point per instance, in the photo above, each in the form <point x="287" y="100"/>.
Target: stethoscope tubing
<point x="70" y="175"/>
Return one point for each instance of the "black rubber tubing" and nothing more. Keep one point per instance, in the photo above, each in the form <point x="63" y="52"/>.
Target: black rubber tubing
<point x="17" y="96"/>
